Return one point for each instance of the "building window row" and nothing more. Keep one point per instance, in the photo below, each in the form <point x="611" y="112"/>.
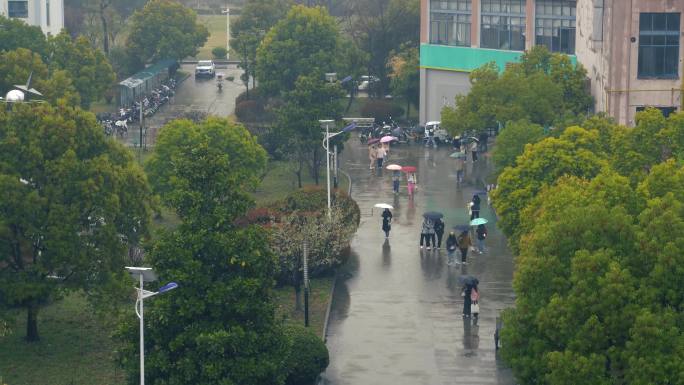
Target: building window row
<point x="17" y="9"/>
<point x="450" y="29"/>
<point x="659" y="45"/>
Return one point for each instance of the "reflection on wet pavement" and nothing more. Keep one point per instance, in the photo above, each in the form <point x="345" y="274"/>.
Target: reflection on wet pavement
<point x="396" y="315"/>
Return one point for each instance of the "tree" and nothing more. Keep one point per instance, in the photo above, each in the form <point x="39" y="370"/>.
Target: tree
<point x="165" y="29"/>
<point x="405" y="76"/>
<point x="72" y="201"/>
<point x="17" y="65"/>
<point x="220" y="326"/>
<point x="91" y="73"/>
<point x="15" y="33"/>
<point x="312" y="99"/>
<point x="511" y="142"/>
<point x="256" y="18"/>
<point x="307" y="40"/>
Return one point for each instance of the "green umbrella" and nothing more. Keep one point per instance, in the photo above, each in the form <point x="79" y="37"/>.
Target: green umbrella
<point x="458" y="154"/>
<point x="478" y="221"/>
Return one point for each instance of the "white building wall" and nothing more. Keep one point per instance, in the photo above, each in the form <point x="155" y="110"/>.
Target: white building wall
<point x="46" y="14"/>
<point x="438" y="89"/>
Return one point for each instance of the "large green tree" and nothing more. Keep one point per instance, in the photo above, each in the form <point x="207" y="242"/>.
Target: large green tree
<point x="405" y="76"/>
<point x="511" y="142"/>
<point x="220" y="326"/>
<point x="71" y="203"/>
<point x="15" y="33"/>
<point x="165" y="29"/>
<point x="91" y="73"/>
<point x="305" y="42"/>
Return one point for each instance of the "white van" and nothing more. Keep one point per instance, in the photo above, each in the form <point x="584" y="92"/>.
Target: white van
<point x="440" y="134"/>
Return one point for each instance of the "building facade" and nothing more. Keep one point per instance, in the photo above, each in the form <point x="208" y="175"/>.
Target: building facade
<point x="46" y="14"/>
<point x="630" y="48"/>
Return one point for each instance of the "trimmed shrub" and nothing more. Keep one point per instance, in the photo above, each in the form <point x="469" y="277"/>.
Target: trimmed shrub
<point x="308" y="356"/>
<point x="381" y="110"/>
<point x="219" y="52"/>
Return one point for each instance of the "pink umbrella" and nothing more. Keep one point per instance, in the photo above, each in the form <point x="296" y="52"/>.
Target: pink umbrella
<point x="387" y="138"/>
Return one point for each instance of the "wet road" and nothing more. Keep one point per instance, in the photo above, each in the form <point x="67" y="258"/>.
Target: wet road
<point x="193" y="95"/>
<point x="396" y="314"/>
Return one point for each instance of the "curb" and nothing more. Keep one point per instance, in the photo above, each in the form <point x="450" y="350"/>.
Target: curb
<point x="349" y="179"/>
<point x="327" y="311"/>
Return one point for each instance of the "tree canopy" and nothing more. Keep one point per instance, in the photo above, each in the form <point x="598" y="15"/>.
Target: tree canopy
<point x="165" y="29"/>
<point x="405" y="78"/>
<point x="599" y="267"/>
<point x="15" y="33"/>
<point x="544" y="88"/>
<point x="304" y="43"/>
<point x="71" y="203"/>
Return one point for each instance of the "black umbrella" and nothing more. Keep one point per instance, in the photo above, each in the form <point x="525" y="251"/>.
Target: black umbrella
<point x="468" y="280"/>
<point x="433" y="215"/>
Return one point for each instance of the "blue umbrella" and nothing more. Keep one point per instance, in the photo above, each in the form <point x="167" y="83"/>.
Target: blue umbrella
<point x="478" y="221"/>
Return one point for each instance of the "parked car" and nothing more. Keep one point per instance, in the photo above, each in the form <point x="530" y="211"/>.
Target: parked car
<point x="205" y="68"/>
<point x="441" y="135"/>
<point x="365" y="82"/>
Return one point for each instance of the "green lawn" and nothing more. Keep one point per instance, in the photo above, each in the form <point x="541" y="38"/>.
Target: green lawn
<point x="216" y="24"/>
<point x="318" y="303"/>
<point x="74" y="348"/>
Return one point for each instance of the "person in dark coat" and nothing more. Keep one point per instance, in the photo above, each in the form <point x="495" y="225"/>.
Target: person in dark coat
<point x="386" y="222"/>
<point x="425" y="231"/>
<point x="481" y="233"/>
<point x="439" y="231"/>
<point x="464" y="244"/>
<point x="467" y="291"/>
<point x="475" y="207"/>
<point x="451" y="245"/>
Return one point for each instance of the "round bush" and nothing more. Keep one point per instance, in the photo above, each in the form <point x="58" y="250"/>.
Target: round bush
<point x="219" y="52"/>
<point x="249" y="111"/>
<point x="308" y="356"/>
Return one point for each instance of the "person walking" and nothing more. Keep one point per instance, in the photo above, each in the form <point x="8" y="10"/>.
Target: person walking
<point x="380" y="156"/>
<point x="456" y="143"/>
<point x="425" y="230"/>
<point x="431" y="234"/>
<point x="386" y="222"/>
<point x="411" y="182"/>
<point x="475" y="207"/>
<point x="451" y="244"/>
<point x="467" y="302"/>
<point x="396" y="177"/>
<point x="372" y="153"/>
<point x="473" y="150"/>
<point x="481" y="234"/>
<point x="439" y="231"/>
<point x="464" y="244"/>
<point x="460" y="167"/>
<point x="474" y="302"/>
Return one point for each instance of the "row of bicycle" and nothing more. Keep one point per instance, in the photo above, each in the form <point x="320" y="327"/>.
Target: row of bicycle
<point x="116" y="123"/>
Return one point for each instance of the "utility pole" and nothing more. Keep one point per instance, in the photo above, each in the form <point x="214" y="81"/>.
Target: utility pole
<point x="335" y="181"/>
<point x="305" y="256"/>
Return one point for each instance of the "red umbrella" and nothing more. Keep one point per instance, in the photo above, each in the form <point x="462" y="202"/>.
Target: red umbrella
<point x="372" y="141"/>
<point x="408" y="169"/>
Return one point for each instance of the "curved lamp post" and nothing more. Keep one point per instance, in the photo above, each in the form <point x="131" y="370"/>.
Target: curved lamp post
<point x="326" y="146"/>
<point x="145" y="274"/>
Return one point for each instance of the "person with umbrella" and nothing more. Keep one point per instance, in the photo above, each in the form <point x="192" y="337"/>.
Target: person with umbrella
<point x="372" y="153"/>
<point x="464" y="244"/>
<point x="396" y="177"/>
<point x="380" y="155"/>
<point x="386" y="222"/>
<point x="439" y="231"/>
<point x="481" y="234"/>
<point x="451" y="244"/>
<point x="460" y="169"/>
<point x="469" y="282"/>
<point x="473" y="150"/>
<point x="425" y="230"/>
<point x="475" y="207"/>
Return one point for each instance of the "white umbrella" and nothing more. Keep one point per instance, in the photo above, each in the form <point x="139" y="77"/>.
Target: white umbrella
<point x="387" y="138"/>
<point x="384" y="206"/>
<point x="394" y="167"/>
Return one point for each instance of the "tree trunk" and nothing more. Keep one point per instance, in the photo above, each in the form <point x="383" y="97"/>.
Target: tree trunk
<point x="351" y="99"/>
<point x="408" y="108"/>
<point x="105" y="33"/>
<point x="32" y="323"/>
<point x="316" y="167"/>
<point x="299" y="174"/>
<point x="298" y="296"/>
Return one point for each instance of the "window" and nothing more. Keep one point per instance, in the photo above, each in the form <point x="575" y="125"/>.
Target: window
<point x="659" y="45"/>
<point x="503" y="24"/>
<point x="555" y="25"/>
<point x="450" y="22"/>
<point x="17" y="9"/>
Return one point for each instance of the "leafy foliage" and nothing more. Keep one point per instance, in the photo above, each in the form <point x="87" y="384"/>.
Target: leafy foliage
<point x="165" y="29"/>
<point x="219" y="52"/>
<point x="15" y="33"/>
<point x="598" y="276"/>
<point x="380" y="110"/>
<point x="544" y="88"/>
<point x="405" y="78"/>
<point x="511" y="142"/>
<point x="72" y="201"/>
<point x="306" y="39"/>
<point x="307" y="358"/>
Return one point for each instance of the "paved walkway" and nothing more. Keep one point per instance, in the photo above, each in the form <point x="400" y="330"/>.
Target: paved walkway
<point x="396" y="316"/>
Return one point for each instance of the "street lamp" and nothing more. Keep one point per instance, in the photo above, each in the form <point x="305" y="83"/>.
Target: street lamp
<point x="227" y="12"/>
<point x="145" y="274"/>
<point x="326" y="146"/>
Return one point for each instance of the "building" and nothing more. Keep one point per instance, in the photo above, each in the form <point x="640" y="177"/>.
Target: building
<point x="46" y="14"/>
<point x="630" y="48"/>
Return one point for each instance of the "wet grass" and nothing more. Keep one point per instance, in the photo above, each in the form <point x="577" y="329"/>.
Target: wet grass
<point x="318" y="304"/>
<point x="74" y="348"/>
<point x="216" y="24"/>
